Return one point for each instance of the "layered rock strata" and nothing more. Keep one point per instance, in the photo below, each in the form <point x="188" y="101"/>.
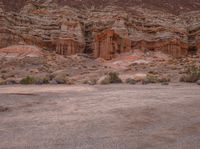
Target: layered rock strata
<point x="101" y="33"/>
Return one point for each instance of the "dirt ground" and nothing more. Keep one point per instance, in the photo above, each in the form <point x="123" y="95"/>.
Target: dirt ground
<point x="100" y="117"/>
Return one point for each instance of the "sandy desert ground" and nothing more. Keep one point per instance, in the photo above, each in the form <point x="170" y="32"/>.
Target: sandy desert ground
<point x="100" y="117"/>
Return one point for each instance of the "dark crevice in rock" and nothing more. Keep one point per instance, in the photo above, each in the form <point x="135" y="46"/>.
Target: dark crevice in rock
<point x="88" y="38"/>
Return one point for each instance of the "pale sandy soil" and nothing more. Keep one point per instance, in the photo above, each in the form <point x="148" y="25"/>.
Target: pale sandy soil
<point x="100" y="117"/>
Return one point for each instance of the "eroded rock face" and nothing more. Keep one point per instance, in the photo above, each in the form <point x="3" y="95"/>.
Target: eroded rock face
<point x="103" y="33"/>
<point x="68" y="47"/>
<point x="108" y="43"/>
<point x="143" y="30"/>
<point x="44" y="27"/>
<point x="194" y="40"/>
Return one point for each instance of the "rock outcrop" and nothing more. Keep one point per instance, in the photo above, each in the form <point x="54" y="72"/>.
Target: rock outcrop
<point x="20" y="52"/>
<point x="108" y="43"/>
<point x="104" y="32"/>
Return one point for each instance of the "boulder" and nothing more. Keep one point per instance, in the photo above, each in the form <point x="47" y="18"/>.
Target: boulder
<point x="139" y="76"/>
<point x="59" y="73"/>
<point x="60" y="79"/>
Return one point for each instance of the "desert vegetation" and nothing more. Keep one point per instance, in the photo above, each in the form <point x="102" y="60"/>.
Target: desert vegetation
<point x="192" y="74"/>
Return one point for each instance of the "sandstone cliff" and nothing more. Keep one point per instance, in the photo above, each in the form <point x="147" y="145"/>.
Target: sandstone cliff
<point x="101" y="32"/>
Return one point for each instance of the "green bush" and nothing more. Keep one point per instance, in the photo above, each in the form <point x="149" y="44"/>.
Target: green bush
<point x="114" y="77"/>
<point x="192" y="74"/>
<point x="28" y="80"/>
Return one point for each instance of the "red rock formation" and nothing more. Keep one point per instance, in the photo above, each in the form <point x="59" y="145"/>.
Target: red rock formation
<point x="68" y="46"/>
<point x="172" y="47"/>
<point x="108" y="43"/>
<point x="103" y="33"/>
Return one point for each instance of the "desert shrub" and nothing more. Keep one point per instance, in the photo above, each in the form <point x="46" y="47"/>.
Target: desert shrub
<point x="151" y="79"/>
<point x="45" y="80"/>
<point x="42" y="81"/>
<point x="112" y="77"/>
<point x="192" y="74"/>
<point x="131" y="81"/>
<point x="28" y="80"/>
